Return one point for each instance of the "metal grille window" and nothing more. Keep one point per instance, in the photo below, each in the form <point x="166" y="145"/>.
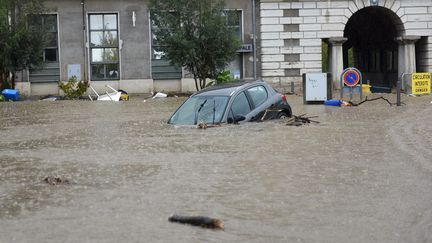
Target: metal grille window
<point x="104" y="46"/>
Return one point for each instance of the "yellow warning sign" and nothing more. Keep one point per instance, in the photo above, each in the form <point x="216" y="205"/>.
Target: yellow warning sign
<point x="421" y="83"/>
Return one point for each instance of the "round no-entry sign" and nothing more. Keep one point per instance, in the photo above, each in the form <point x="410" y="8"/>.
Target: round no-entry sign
<point x="351" y="77"/>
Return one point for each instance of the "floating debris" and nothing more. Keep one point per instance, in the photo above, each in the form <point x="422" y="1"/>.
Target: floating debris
<point x="366" y="100"/>
<point x="159" y="95"/>
<point x="55" y="180"/>
<point x="203" y="125"/>
<point x="50" y="98"/>
<point x="113" y="96"/>
<point x="201" y="221"/>
<point x="300" y="120"/>
<point x="350" y="103"/>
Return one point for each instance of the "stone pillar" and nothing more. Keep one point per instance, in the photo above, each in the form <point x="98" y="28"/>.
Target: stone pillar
<point x="406" y="58"/>
<point x="407" y="54"/>
<point x="336" y="59"/>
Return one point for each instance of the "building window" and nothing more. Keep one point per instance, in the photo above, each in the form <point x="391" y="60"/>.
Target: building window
<point x="50" y="71"/>
<point x="104" y="46"/>
<point x="48" y="22"/>
<point x="162" y="69"/>
<point x="234" y="21"/>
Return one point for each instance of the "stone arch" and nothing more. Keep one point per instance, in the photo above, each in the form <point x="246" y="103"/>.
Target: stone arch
<point x="371" y="44"/>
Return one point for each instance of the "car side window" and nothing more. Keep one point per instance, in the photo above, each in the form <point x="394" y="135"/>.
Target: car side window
<point x="258" y="95"/>
<point x="240" y="105"/>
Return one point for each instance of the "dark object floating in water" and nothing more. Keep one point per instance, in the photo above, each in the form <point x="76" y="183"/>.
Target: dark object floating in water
<point x="201" y="221"/>
<point x="55" y="180"/>
<point x="366" y="100"/>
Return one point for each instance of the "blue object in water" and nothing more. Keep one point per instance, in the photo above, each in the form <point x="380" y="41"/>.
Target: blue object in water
<point x="11" y="94"/>
<point x="333" y="102"/>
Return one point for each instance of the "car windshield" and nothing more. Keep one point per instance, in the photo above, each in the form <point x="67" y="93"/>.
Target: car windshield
<point x="207" y="109"/>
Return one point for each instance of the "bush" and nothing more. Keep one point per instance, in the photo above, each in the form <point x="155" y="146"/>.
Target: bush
<point x="72" y="88"/>
<point x="222" y="78"/>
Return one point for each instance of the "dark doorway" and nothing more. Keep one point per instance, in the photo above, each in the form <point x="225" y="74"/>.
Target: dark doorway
<point x="371" y="46"/>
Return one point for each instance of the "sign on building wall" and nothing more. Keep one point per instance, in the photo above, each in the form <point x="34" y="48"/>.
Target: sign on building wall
<point x="421" y="83"/>
<point x="74" y="70"/>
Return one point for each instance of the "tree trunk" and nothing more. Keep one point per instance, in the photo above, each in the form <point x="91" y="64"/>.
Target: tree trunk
<point x="4" y="82"/>
<point x="196" y="83"/>
<point x="12" y="82"/>
<point x="204" y="83"/>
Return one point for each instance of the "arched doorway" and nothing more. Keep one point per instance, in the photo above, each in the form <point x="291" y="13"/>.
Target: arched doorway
<point x="371" y="45"/>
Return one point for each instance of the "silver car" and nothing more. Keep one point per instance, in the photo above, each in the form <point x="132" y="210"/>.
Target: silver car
<point x="232" y="103"/>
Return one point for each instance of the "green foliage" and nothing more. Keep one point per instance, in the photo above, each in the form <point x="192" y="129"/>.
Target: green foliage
<point x="72" y="88"/>
<point x="2" y="98"/>
<point x="20" y="43"/>
<point x="194" y="34"/>
<point x="222" y="78"/>
<point x="325" y="57"/>
<point x="351" y="57"/>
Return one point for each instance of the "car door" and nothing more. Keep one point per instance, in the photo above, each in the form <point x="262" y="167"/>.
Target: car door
<point x="249" y="103"/>
<point x="258" y="95"/>
<point x="240" y="107"/>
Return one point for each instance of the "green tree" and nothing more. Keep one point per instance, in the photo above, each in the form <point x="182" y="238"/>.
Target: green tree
<point x="194" y="34"/>
<point x="21" y="43"/>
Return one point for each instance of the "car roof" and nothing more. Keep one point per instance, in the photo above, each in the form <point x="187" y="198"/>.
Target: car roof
<point x="225" y="89"/>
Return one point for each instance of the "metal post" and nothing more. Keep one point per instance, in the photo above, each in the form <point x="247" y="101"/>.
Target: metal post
<point x="292" y="87"/>
<point x="399" y="85"/>
<point x="254" y="39"/>
<point x="398" y="93"/>
<point x="84" y="40"/>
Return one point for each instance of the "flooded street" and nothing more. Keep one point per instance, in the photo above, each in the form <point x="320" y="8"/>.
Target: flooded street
<point x="364" y="174"/>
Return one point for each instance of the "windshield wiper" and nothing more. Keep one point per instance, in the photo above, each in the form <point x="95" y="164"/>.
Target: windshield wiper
<point x="214" y="111"/>
<point x="198" y="111"/>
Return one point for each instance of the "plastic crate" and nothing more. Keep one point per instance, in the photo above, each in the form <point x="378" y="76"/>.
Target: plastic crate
<point x="11" y="94"/>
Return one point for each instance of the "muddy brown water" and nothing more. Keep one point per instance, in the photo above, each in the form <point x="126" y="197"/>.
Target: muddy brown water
<point x="363" y="174"/>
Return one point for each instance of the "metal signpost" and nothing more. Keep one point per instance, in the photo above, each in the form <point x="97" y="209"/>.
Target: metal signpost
<point x="349" y="79"/>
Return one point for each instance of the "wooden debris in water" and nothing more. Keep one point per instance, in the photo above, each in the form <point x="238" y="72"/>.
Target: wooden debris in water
<point x="366" y="100"/>
<point x="205" y="222"/>
<point x="55" y="180"/>
<point x="300" y="120"/>
<point x="203" y="125"/>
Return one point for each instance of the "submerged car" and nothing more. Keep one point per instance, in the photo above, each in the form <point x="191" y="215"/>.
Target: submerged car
<point x="232" y="103"/>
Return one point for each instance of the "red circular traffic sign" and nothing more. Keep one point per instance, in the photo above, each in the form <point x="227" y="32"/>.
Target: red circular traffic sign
<point x="351" y="77"/>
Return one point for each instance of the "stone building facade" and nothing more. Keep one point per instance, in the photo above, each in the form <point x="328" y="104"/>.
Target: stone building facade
<point x="386" y="38"/>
